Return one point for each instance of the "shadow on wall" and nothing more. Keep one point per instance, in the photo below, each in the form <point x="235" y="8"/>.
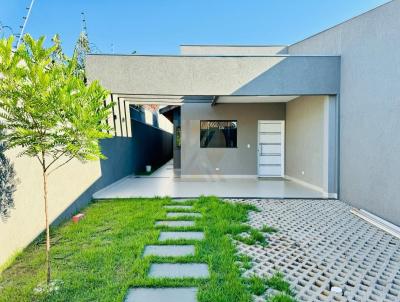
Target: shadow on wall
<point x="151" y="146"/>
<point x="119" y="163"/>
<point x="296" y="76"/>
<point x="125" y="156"/>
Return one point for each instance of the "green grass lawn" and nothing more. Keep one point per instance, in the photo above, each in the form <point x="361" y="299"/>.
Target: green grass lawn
<point x="99" y="258"/>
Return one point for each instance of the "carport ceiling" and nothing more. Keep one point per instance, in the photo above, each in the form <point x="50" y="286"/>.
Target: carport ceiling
<point x="175" y="100"/>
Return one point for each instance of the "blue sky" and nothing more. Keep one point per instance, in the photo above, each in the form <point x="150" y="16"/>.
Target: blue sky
<point x="160" y="26"/>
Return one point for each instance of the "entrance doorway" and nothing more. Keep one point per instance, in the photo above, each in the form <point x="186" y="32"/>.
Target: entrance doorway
<point x="271" y="149"/>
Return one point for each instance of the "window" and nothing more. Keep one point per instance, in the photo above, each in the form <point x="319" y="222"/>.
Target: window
<point x="218" y="134"/>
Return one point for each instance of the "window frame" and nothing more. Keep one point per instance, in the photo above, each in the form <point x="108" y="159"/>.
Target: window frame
<point x="224" y="147"/>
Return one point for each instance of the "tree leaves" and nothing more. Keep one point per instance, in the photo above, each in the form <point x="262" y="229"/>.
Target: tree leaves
<point x="45" y="105"/>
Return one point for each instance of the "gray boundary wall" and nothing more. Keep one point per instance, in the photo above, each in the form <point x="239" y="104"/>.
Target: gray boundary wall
<point x="369" y="106"/>
<point x="70" y="188"/>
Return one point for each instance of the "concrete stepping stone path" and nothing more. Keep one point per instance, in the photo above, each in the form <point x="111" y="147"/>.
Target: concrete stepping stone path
<point x="169" y="250"/>
<point x="183" y="214"/>
<point x="172" y="270"/>
<point x="176" y="223"/>
<point x="164" y="236"/>
<point x="179" y="270"/>
<point x="184" y="294"/>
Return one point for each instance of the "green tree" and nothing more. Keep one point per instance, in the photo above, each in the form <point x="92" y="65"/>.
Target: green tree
<point x="47" y="110"/>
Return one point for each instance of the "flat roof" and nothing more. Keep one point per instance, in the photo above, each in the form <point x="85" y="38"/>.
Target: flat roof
<point x="211" y="56"/>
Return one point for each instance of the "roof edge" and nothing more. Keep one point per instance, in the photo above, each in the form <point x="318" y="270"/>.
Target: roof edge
<point x="210" y="56"/>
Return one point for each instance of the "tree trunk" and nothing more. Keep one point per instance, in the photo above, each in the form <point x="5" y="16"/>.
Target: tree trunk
<point x="46" y="212"/>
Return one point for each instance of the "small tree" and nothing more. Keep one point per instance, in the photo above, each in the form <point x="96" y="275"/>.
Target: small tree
<point x="48" y="111"/>
<point x="7" y="182"/>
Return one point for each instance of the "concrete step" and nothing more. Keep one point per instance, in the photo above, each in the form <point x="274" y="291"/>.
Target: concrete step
<point x="179" y="270"/>
<point x="177" y="223"/>
<point x="173" y="294"/>
<point x="168" y="250"/>
<point x="181" y="235"/>
<point x="183" y="214"/>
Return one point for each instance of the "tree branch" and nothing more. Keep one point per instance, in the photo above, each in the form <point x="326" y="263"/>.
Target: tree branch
<point x="59" y="166"/>
<point x="41" y="163"/>
<point x="55" y="159"/>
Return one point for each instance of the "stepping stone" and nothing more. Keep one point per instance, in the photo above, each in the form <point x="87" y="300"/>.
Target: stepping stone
<point x="177" y="223"/>
<point x="183" y="200"/>
<point x="183" y="214"/>
<point x="179" y="207"/>
<point x="179" y="270"/>
<point x="181" y="235"/>
<point x="173" y="294"/>
<point x="168" y="250"/>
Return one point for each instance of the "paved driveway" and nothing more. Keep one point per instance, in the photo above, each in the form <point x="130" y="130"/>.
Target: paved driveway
<point x="320" y="244"/>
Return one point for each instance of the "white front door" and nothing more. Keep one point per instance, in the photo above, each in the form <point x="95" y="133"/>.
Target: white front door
<point x="271" y="139"/>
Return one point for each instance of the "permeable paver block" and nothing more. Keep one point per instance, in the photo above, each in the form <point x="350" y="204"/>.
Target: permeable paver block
<point x="182" y="214"/>
<point x="176" y="223"/>
<point x="181" y="235"/>
<point x="181" y="294"/>
<point x="169" y="250"/>
<point x="179" y="270"/>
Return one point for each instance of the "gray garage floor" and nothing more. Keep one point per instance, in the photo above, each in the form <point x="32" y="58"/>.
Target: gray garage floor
<point x="166" y="182"/>
<point x="320" y="244"/>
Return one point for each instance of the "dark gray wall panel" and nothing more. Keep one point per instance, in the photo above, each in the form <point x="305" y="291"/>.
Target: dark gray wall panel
<point x="151" y="146"/>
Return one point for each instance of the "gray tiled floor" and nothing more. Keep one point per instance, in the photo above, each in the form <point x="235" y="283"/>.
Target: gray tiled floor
<point x="321" y="244"/>
<point x="165" y="183"/>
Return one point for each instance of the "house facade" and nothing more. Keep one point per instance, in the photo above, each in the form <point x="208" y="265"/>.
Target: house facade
<point x="323" y="112"/>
